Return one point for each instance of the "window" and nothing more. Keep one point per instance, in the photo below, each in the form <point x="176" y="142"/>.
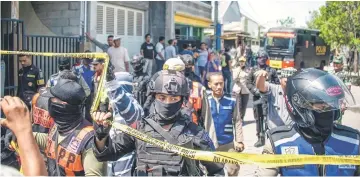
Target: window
<point x="99" y="19"/>
<point x="131" y="20"/>
<point x="120" y="22"/>
<point x="110" y="20"/>
<point x="139" y="24"/>
<point x="313" y="40"/>
<point x="278" y="43"/>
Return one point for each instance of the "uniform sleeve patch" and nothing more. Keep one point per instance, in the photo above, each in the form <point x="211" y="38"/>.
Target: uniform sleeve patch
<point x="41" y="82"/>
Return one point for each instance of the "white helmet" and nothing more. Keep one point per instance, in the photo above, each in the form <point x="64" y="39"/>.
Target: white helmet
<point x="175" y="64"/>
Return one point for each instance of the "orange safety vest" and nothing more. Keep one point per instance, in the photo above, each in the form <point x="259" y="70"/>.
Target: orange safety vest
<point x="42" y="121"/>
<point x="195" y="100"/>
<point x="69" y="151"/>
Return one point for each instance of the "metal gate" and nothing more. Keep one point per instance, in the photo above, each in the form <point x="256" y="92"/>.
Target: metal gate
<point x="54" y="44"/>
<point x="13" y="37"/>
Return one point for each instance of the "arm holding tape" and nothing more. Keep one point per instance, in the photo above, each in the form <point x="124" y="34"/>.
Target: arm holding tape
<point x="123" y="105"/>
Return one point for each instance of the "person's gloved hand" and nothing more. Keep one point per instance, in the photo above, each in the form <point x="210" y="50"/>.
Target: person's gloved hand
<point x="110" y="73"/>
<point x="102" y="124"/>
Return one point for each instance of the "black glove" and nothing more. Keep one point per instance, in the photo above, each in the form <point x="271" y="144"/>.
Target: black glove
<point x="110" y="72"/>
<point x="100" y="131"/>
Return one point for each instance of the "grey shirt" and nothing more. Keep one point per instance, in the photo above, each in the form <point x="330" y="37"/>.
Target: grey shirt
<point x="170" y="52"/>
<point x="278" y="115"/>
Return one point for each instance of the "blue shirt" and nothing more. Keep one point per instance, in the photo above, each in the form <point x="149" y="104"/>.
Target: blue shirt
<point x="203" y="58"/>
<point x="210" y="68"/>
<point x="86" y="73"/>
<point x="189" y="52"/>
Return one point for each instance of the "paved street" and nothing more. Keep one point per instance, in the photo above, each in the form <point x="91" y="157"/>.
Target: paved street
<point x="350" y="119"/>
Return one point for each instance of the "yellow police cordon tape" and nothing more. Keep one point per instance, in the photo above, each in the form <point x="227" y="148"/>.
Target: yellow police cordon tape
<point x="264" y="160"/>
<point x="16" y="148"/>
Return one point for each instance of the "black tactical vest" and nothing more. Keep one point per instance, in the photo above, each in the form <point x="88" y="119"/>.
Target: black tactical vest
<point x="154" y="161"/>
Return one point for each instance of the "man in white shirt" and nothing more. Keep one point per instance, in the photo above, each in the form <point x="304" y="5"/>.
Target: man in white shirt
<point x="119" y="56"/>
<point x="160" y="53"/>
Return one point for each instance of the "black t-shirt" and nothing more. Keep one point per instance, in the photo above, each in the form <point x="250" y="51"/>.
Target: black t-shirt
<point x="148" y="50"/>
<point x="227" y="59"/>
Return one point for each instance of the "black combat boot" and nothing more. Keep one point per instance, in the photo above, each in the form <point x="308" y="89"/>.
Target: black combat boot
<point x="260" y="142"/>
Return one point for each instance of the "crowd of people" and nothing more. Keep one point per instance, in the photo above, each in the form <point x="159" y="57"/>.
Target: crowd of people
<point x="194" y="98"/>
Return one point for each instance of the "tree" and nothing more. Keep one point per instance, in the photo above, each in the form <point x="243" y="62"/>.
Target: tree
<point x="339" y="24"/>
<point x="286" y="22"/>
<point x="311" y="23"/>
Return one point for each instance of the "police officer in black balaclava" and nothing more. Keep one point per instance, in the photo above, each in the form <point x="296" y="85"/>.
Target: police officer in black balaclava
<point x="166" y="123"/>
<point x="140" y="79"/>
<point x="250" y="83"/>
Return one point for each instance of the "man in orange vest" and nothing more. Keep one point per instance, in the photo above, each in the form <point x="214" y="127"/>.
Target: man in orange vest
<point x="71" y="138"/>
<point x="185" y="64"/>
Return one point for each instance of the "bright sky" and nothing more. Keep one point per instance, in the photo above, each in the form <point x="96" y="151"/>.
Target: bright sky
<point x="268" y="11"/>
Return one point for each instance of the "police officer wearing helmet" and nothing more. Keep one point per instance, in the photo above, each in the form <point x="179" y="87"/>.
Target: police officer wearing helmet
<point x="251" y="85"/>
<point x="314" y="99"/>
<point x="184" y="65"/>
<point x="166" y="123"/>
<point x="140" y="78"/>
<point x="173" y="64"/>
<point x="64" y="64"/>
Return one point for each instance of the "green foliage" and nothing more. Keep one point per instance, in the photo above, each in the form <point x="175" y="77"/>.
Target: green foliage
<point x="338" y="22"/>
<point x="287" y="22"/>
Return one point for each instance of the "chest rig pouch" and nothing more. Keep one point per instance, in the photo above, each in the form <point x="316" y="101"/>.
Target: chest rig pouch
<point x="154" y="161"/>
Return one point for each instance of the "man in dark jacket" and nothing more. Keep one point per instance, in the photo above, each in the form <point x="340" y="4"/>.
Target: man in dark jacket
<point x="250" y="83"/>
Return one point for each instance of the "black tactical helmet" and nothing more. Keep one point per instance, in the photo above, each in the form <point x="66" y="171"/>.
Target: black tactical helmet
<point x="137" y="62"/>
<point x="188" y="60"/>
<point x="169" y="82"/>
<point x="313" y="94"/>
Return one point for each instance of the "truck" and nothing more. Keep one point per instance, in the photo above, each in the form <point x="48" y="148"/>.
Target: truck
<point x="296" y="47"/>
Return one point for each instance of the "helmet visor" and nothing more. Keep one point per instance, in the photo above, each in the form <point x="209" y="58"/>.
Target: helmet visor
<point x="324" y="94"/>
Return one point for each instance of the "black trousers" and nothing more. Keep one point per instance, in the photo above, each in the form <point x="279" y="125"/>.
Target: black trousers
<point x="259" y="118"/>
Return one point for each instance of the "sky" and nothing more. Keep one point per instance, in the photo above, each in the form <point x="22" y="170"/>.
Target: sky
<point x="266" y="12"/>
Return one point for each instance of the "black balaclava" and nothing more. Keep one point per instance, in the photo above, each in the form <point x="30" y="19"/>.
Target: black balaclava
<point x="322" y="128"/>
<point x="167" y="113"/>
<point x="66" y="116"/>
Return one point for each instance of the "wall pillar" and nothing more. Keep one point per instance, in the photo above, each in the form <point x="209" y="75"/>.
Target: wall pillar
<point x="169" y="21"/>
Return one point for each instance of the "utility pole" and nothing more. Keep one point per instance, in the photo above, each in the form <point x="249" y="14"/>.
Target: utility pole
<point x="217" y="27"/>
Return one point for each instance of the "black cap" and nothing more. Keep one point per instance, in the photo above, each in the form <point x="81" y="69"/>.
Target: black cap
<point x="66" y="90"/>
<point x="64" y="61"/>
